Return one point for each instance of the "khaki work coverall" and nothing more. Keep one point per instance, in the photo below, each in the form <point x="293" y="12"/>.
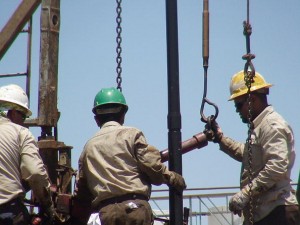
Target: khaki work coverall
<point x="20" y="162"/>
<point x="273" y="157"/>
<point x="117" y="161"/>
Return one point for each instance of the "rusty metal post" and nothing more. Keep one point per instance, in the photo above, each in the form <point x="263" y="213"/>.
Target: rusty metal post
<point x="56" y="155"/>
<point x="57" y="158"/>
<point x="48" y="114"/>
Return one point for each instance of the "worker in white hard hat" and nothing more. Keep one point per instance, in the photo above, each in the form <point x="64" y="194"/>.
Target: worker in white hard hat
<point x="14" y="103"/>
<point x="21" y="166"/>
<point x="270" y="162"/>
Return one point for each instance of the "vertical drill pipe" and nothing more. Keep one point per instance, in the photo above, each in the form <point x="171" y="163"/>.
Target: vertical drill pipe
<point x="174" y="117"/>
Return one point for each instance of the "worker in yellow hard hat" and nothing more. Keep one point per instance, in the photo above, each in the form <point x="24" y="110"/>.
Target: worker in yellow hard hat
<point x="238" y="94"/>
<point x="272" y="156"/>
<point x="239" y="88"/>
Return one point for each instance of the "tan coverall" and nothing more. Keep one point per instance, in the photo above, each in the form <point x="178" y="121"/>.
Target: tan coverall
<point x="273" y="157"/>
<point x="20" y="162"/>
<point x="118" y="162"/>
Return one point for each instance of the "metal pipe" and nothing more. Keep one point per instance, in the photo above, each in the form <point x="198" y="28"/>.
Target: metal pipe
<point x="174" y="117"/>
<point x="197" y="141"/>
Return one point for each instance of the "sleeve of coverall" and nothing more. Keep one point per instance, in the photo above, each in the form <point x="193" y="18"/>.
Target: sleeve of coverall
<point x="232" y="148"/>
<point x="81" y="191"/>
<point x="149" y="161"/>
<point x="276" y="153"/>
<point x="32" y="168"/>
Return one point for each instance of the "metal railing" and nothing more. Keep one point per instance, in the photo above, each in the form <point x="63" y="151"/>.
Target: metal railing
<point x="208" y="206"/>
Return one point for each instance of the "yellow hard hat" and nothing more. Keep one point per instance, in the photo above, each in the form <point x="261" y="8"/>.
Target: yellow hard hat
<point x="239" y="88"/>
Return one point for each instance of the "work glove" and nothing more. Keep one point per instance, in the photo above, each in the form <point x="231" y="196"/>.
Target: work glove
<point x="177" y="181"/>
<point x="238" y="202"/>
<point x="213" y="132"/>
<point x="51" y="214"/>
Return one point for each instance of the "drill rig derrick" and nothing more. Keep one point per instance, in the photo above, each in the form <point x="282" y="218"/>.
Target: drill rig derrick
<point x="55" y="154"/>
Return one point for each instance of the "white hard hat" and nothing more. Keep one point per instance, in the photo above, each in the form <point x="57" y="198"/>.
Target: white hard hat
<point x="13" y="96"/>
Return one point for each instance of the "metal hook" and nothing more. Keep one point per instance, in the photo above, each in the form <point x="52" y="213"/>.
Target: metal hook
<point x="210" y="118"/>
<point x="205" y="100"/>
<point x="205" y="54"/>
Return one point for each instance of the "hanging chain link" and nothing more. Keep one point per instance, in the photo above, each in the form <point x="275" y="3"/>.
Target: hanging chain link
<point x="249" y="73"/>
<point x="119" y="48"/>
<point x="249" y="81"/>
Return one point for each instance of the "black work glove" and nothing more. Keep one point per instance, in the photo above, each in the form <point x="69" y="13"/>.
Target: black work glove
<point x="213" y="132"/>
<point x="177" y="181"/>
<point x="51" y="214"/>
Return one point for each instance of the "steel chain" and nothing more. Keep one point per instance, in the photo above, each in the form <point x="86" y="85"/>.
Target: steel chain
<point x="249" y="73"/>
<point x="119" y="48"/>
<point x="249" y="81"/>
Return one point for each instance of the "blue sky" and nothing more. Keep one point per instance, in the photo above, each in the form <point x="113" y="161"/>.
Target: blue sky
<point x="87" y="63"/>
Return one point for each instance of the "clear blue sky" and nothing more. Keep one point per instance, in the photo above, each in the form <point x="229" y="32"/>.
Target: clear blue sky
<point x="87" y="64"/>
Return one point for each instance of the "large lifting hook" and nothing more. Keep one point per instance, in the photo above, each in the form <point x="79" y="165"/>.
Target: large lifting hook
<point x="205" y="54"/>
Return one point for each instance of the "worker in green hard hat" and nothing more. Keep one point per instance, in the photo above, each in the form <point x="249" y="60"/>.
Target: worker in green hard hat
<point x="109" y="102"/>
<point x="117" y="166"/>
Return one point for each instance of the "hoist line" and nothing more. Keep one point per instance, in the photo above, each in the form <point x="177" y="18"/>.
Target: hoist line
<point x="247" y="32"/>
<point x="205" y="54"/>
<point x="248" y="56"/>
<point x="119" y="47"/>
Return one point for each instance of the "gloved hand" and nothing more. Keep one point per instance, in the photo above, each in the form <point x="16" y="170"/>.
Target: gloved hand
<point x="51" y="214"/>
<point x="177" y="181"/>
<point x="213" y="132"/>
<point x="238" y="202"/>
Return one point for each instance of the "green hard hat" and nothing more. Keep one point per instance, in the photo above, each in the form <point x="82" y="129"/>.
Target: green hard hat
<point x="109" y="100"/>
